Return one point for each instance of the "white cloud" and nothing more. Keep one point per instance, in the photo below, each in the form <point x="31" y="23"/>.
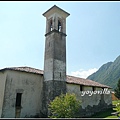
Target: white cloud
<point x="83" y="73"/>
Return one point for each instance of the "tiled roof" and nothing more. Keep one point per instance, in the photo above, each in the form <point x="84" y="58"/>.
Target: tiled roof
<point x="82" y="81"/>
<point x="70" y="79"/>
<point x="24" y="69"/>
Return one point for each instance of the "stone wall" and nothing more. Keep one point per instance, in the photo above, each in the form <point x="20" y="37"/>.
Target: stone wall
<point x="50" y="91"/>
<point x="90" y="104"/>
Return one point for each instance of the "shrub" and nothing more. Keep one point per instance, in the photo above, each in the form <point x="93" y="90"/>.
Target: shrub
<point x="65" y="106"/>
<point x="118" y="107"/>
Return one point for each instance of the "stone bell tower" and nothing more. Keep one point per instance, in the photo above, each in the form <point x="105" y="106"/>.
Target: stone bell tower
<point x="55" y="55"/>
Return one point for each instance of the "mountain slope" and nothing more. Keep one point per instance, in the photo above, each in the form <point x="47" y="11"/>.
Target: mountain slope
<point x="108" y="73"/>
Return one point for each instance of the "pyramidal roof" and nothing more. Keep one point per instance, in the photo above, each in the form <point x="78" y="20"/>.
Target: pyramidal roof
<point x="56" y="9"/>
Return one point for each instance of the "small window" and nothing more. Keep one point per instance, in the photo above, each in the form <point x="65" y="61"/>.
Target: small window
<point x="81" y="87"/>
<point x="93" y="88"/>
<point x="18" y="99"/>
<point x="60" y="74"/>
<point x="102" y="88"/>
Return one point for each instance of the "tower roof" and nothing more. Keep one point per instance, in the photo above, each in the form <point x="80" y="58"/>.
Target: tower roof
<point x="56" y="9"/>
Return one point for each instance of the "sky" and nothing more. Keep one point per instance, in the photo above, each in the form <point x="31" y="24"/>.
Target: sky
<point x="93" y="34"/>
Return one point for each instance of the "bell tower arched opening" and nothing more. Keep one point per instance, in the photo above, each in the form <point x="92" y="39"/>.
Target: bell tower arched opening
<point x="59" y="26"/>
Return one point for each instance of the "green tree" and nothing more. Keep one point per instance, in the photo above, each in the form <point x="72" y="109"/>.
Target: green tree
<point x="117" y="90"/>
<point x="65" y="106"/>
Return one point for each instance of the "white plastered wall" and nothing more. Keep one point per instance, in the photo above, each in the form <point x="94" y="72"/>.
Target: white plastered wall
<point x="31" y="86"/>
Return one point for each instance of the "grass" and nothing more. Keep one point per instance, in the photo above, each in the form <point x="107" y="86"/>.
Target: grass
<point x="107" y="114"/>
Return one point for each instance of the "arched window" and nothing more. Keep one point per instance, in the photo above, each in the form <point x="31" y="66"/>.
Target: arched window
<point x="59" y="26"/>
<point x="51" y="26"/>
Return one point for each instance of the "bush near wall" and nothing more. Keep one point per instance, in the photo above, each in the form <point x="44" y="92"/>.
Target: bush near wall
<point x="65" y="106"/>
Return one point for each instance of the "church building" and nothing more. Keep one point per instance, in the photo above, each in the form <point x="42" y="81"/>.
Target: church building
<point x="25" y="92"/>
